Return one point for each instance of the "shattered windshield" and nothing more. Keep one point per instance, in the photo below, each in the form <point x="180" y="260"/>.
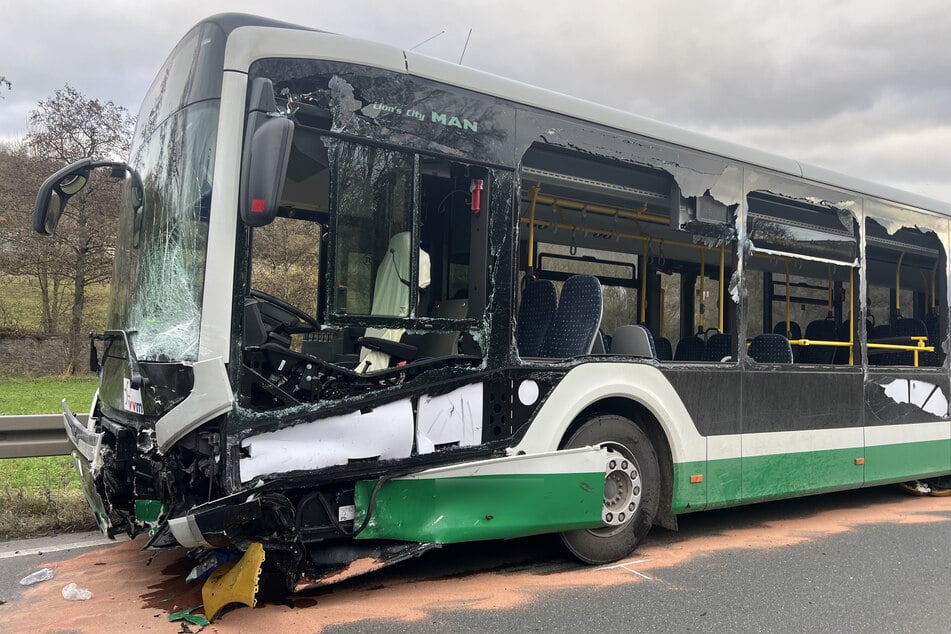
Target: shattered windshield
<point x="160" y="256"/>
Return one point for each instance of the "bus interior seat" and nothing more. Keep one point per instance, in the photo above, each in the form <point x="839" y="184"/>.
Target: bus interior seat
<point x="663" y="348"/>
<point x="795" y="331"/>
<point x="819" y="330"/>
<point x="575" y="324"/>
<point x="635" y="341"/>
<point x="690" y="349"/>
<point x="907" y="327"/>
<point x="770" y="348"/>
<point x="539" y="303"/>
<point x="720" y="347"/>
<point x="440" y="344"/>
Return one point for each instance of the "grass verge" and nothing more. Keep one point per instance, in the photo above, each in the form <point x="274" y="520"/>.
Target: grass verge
<point x="42" y="496"/>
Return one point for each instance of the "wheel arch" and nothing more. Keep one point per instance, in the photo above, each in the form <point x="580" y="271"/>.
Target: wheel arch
<point x="639" y="413"/>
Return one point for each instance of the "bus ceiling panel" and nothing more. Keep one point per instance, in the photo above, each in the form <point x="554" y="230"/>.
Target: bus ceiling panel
<point x="552" y="166"/>
<point x="815" y="268"/>
<point x="807" y="214"/>
<point x="249" y="44"/>
<point x="781" y="186"/>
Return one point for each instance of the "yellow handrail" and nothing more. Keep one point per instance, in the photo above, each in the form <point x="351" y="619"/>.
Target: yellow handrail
<point x="920" y="347"/>
<point x="531" y="225"/>
<point x="898" y="284"/>
<point x="637" y="214"/>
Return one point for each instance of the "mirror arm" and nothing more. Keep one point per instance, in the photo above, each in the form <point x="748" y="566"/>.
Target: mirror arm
<point x="44" y="195"/>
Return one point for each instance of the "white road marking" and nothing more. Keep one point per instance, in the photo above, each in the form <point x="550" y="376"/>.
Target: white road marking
<point x="625" y="565"/>
<point x="54" y="549"/>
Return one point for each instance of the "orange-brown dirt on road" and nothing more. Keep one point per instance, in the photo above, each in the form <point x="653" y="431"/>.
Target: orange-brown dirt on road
<point x="135" y="590"/>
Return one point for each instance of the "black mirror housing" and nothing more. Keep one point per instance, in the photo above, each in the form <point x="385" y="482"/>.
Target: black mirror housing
<point x="55" y="192"/>
<point x="270" y="153"/>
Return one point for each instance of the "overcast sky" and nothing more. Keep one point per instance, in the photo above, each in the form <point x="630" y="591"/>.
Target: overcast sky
<point x="861" y="86"/>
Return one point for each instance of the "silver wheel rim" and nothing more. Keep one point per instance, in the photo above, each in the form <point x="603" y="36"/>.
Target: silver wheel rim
<point x="622" y="490"/>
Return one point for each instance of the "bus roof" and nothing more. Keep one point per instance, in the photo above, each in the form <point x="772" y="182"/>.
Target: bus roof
<point x="518" y="92"/>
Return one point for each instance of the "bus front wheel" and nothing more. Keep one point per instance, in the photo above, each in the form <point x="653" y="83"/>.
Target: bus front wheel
<point x="631" y="489"/>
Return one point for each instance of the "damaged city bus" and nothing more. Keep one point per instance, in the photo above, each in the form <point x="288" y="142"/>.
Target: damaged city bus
<point x="366" y="303"/>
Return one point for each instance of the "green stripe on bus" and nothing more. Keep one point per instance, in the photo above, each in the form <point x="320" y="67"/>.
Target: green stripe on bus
<point x="907" y="461"/>
<point x="450" y="510"/>
<point x="754" y="478"/>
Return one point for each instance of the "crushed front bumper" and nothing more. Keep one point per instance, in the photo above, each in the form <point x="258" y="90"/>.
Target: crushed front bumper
<point x="86" y="454"/>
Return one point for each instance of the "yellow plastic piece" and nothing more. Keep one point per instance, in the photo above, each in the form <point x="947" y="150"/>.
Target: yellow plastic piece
<point x="235" y="581"/>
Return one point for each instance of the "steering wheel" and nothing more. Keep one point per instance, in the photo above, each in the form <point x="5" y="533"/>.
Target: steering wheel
<point x="294" y="311"/>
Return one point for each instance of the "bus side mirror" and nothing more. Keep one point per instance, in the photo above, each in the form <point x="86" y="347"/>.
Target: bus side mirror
<point x="55" y="192"/>
<point x="270" y="153"/>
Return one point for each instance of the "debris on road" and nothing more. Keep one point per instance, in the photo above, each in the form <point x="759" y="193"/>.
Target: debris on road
<point x="72" y="592"/>
<point x="43" y="574"/>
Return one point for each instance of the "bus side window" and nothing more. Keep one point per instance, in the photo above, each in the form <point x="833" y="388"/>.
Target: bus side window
<point x="906" y="312"/>
<point x="801" y="274"/>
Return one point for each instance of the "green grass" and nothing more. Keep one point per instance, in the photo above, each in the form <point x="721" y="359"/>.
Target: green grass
<point x="43" y="395"/>
<point x="42" y="496"/>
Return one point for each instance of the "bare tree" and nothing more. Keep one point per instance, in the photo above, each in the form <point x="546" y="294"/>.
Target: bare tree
<point x="64" y="128"/>
<point x="5" y="82"/>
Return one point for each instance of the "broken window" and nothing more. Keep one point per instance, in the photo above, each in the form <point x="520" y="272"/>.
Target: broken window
<point x="801" y="277"/>
<point x="660" y="262"/>
<point x="906" y="311"/>
<point x="376" y="259"/>
<point x="160" y="257"/>
<point x="373" y="243"/>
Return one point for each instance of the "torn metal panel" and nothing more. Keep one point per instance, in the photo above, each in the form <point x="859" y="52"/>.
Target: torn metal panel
<point x="928" y="396"/>
<point x="908" y="397"/>
<point x="385" y="432"/>
<point x="493" y="499"/>
<point x="236" y="581"/>
<point x="450" y="419"/>
<point x="211" y="396"/>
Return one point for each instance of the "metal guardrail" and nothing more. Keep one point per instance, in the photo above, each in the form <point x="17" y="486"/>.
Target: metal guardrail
<point x="34" y="435"/>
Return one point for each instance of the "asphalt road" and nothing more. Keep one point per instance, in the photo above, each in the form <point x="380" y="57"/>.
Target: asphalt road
<point x="874" y="560"/>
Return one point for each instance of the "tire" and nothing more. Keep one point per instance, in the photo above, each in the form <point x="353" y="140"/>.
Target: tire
<point x="636" y="483"/>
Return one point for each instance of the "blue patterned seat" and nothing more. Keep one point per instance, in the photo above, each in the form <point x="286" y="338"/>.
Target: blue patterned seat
<point x="795" y="331"/>
<point x="539" y="302"/>
<point x="663" y="348"/>
<point x="770" y="348"/>
<point x="576" y="320"/>
<point x="819" y="330"/>
<point x="720" y="347"/>
<point x="690" y="349"/>
<point x="906" y="327"/>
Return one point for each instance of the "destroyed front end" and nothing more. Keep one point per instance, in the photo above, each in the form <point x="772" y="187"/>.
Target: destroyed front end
<point x="325" y="496"/>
